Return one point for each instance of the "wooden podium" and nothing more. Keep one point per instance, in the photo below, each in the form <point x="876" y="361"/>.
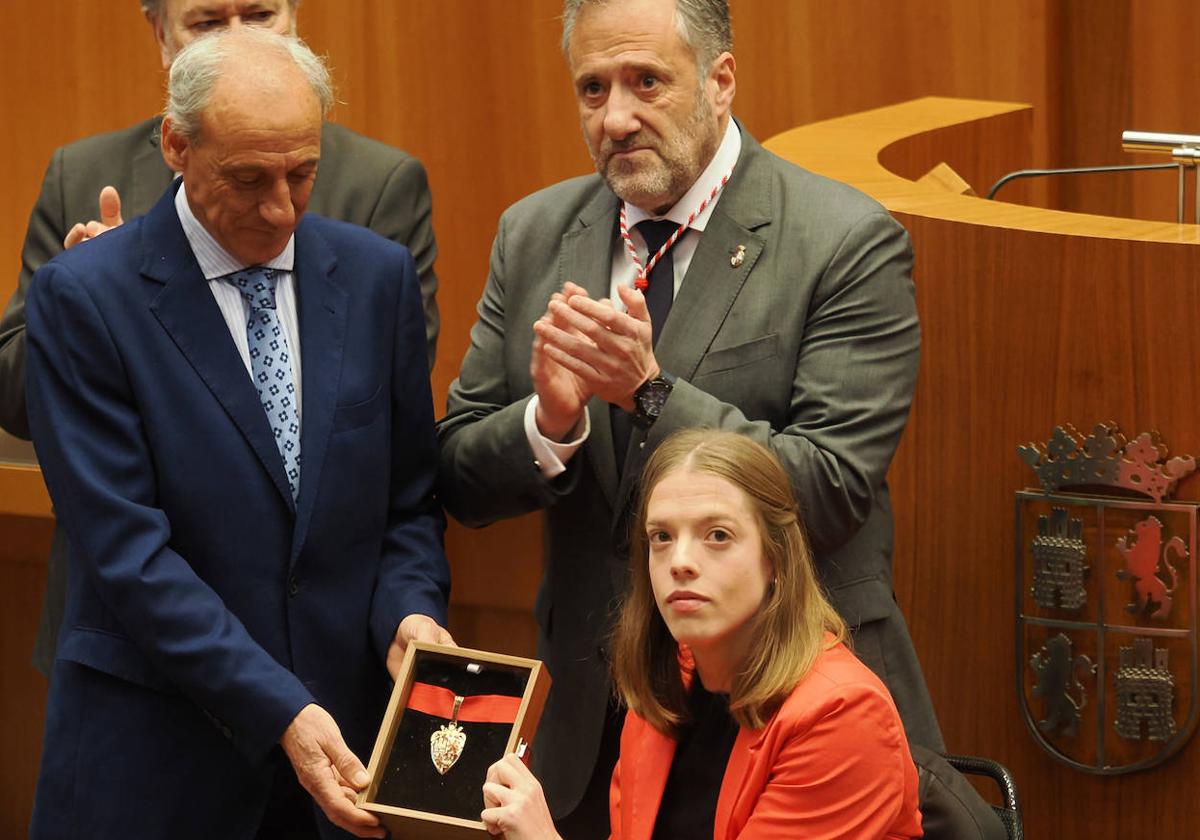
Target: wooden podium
<point x="1030" y="318"/>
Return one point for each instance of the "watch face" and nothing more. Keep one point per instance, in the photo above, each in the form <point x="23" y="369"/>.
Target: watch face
<point x="651" y="398"/>
<point x="655" y="396"/>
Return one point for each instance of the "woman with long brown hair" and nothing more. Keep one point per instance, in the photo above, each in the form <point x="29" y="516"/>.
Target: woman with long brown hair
<point x="748" y="716"/>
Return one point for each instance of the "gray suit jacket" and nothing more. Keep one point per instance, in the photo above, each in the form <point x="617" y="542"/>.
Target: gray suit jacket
<point x="361" y="181"/>
<point x="810" y="346"/>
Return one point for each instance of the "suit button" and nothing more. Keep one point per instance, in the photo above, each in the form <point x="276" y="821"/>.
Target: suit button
<point x="293" y="587"/>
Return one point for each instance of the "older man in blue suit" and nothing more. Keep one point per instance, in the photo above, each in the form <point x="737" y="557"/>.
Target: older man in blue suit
<point x="231" y="407"/>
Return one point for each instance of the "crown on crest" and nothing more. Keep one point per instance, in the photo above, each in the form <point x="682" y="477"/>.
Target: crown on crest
<point x="1106" y="458"/>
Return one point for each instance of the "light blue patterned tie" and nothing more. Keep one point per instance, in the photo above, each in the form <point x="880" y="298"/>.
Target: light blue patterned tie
<point x="271" y="365"/>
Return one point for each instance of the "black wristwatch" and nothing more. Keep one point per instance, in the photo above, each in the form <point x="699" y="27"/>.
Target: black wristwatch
<point x="650" y="397"/>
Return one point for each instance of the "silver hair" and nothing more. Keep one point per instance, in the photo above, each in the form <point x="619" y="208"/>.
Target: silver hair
<point x="704" y="26"/>
<point x="195" y="71"/>
<point x="153" y="8"/>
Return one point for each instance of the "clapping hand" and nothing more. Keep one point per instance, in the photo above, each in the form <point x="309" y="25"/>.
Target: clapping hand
<point x="609" y="352"/>
<point x="562" y="395"/>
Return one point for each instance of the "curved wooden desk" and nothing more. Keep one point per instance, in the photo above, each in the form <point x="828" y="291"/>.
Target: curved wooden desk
<point x="1031" y="318"/>
<point x="22" y="492"/>
<point x="884" y="151"/>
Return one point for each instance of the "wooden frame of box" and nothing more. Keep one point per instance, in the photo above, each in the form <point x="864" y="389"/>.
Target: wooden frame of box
<point x="408" y="793"/>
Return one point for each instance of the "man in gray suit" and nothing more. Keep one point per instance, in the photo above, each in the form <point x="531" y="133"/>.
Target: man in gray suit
<point x="791" y="319"/>
<point x="361" y="181"/>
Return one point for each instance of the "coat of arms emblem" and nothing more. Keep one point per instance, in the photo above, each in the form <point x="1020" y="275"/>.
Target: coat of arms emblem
<point x="1106" y="600"/>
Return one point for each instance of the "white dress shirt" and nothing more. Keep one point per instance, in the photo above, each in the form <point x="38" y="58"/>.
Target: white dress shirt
<point x="216" y="262"/>
<point x="551" y="456"/>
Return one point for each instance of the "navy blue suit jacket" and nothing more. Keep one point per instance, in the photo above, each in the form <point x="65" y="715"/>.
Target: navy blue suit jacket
<point x="205" y="607"/>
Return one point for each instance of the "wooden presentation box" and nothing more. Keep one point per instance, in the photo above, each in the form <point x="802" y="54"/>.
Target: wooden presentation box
<point x="495" y="702"/>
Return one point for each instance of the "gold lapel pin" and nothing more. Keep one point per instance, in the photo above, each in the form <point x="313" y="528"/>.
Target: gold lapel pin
<point x="739" y="256"/>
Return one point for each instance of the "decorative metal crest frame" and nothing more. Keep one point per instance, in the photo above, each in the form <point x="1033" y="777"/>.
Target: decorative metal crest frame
<point x="1106" y="601"/>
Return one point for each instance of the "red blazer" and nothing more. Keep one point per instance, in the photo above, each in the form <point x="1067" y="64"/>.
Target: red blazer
<point x="833" y="762"/>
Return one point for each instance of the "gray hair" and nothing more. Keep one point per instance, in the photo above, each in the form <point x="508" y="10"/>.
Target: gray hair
<point x="153" y="8"/>
<point x="198" y="67"/>
<point x="703" y="24"/>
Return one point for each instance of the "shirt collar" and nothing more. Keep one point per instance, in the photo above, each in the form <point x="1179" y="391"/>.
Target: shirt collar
<point x="718" y="168"/>
<point x="214" y="260"/>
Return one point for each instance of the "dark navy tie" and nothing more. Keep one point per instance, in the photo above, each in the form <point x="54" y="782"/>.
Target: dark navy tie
<point x="271" y="365"/>
<point x="661" y="292"/>
<point x="659" y="296"/>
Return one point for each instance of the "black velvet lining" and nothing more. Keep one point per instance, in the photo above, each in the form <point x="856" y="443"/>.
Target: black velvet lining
<point x="409" y="778"/>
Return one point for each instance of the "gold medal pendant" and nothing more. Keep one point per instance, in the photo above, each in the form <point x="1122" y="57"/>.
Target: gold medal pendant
<point x="446" y="745"/>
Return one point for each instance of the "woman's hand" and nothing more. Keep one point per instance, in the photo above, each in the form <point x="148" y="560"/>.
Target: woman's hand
<point x="514" y="803"/>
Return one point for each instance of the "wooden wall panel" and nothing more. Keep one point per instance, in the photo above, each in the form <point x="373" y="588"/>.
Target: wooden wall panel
<point x="799" y="62"/>
<point x="69" y="69"/>
<point x="1093" y="55"/>
<point x="1163" y="41"/>
<point x="1117" y="65"/>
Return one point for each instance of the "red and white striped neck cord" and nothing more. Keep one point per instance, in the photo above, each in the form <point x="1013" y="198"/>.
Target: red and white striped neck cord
<point x="642" y="282"/>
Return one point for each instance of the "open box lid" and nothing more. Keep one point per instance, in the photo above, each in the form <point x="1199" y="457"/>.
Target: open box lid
<point x="453" y="713"/>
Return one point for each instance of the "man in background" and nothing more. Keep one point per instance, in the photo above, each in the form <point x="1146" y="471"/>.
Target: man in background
<point x="121" y="174"/>
<point x="776" y="303"/>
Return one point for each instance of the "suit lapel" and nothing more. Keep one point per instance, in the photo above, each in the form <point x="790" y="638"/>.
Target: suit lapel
<point x="716" y="275"/>
<point x="587" y="261"/>
<point x="149" y="173"/>
<point x="321" y="305"/>
<point x="648" y="782"/>
<point x="744" y="746"/>
<point x="187" y="311"/>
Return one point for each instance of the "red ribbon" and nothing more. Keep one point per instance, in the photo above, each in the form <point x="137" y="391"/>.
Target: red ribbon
<point x="642" y="282"/>
<point x="480" y="708"/>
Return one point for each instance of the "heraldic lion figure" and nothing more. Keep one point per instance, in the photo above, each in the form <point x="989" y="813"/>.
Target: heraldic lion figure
<point x="1141" y="564"/>
<point x="1056" y="671"/>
